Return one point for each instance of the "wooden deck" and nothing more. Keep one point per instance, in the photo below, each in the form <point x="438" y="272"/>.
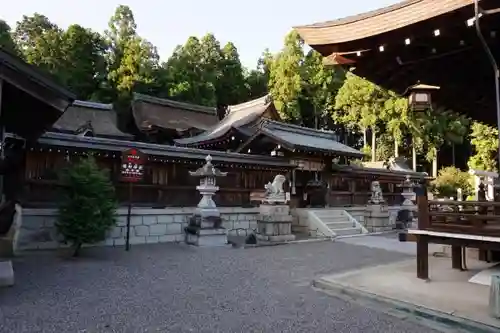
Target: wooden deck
<point x="461" y="224"/>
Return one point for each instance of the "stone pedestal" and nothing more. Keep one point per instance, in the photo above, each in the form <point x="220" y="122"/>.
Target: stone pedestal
<point x="274" y="224"/>
<point x="377" y="218"/>
<point x="205" y="231"/>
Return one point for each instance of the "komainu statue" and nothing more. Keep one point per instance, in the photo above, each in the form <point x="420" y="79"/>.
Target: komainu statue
<point x="274" y="190"/>
<point x="376" y="198"/>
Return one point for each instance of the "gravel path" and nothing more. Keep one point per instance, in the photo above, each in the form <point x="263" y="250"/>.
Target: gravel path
<point x="176" y="288"/>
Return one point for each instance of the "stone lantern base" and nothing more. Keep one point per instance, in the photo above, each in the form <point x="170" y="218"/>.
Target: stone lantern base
<point x="205" y="231"/>
<point x="274" y="224"/>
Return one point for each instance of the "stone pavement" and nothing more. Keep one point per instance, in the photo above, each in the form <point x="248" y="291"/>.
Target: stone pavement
<point x="177" y="288"/>
<point x="389" y="242"/>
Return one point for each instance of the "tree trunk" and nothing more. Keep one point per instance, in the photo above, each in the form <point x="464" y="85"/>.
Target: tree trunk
<point x="435" y="165"/>
<point x="374" y="146"/>
<point x="396" y="149"/>
<point x="453" y="154"/>
<point x="364" y="137"/>
<point x="413" y="154"/>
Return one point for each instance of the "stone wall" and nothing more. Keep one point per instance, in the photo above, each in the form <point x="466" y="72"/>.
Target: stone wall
<point x="300" y="222"/>
<point x="37" y="230"/>
<point x="359" y="213"/>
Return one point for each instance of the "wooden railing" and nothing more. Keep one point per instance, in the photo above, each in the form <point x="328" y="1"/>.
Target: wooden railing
<point x="478" y="218"/>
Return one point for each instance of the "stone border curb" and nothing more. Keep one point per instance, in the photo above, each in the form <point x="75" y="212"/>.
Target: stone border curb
<point x="299" y="241"/>
<point x="449" y="321"/>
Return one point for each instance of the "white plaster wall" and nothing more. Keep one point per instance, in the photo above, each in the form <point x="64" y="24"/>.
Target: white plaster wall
<point x="37" y="230"/>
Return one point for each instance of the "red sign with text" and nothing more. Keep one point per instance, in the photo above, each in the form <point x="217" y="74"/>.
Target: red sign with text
<point x="132" y="166"/>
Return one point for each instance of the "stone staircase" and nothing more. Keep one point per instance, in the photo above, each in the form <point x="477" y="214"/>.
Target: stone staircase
<point x="337" y="221"/>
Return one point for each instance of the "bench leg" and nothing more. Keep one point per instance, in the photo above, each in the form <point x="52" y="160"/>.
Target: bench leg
<point x="456" y="257"/>
<point x="422" y="257"/>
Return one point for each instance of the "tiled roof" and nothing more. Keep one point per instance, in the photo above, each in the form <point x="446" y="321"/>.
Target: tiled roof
<point x="237" y="116"/>
<point x="101" y="118"/>
<point x="149" y="112"/>
<point x="298" y="137"/>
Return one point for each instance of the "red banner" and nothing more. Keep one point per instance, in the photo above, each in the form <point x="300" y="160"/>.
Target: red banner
<point x="132" y="166"/>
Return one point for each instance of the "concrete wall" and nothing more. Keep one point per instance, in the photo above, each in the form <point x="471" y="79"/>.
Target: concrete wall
<point x="37" y="230"/>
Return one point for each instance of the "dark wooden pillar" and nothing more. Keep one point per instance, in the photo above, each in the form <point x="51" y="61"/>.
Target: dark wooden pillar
<point x="456" y="257"/>
<point x="422" y="240"/>
<point x="422" y="257"/>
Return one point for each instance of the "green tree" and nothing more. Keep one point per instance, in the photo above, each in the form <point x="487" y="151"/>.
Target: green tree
<point x="231" y="86"/>
<point x="359" y="105"/>
<point x="41" y="43"/>
<point x="440" y="127"/>
<point x="83" y="62"/>
<point x="484" y="139"/>
<point x="449" y="180"/>
<point x="132" y="60"/>
<point x="6" y="41"/>
<point x="187" y="79"/>
<point x="285" y="77"/>
<point x="257" y="79"/>
<point x="321" y="85"/>
<point x="88" y="208"/>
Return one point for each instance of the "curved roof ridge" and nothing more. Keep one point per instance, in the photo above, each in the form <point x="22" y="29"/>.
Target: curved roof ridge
<point x="93" y="105"/>
<point x="176" y="104"/>
<point x="302" y="129"/>
<point x="266" y="99"/>
<point x="362" y="16"/>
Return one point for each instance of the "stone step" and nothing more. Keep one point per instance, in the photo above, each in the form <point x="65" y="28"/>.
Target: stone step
<point x="329" y="213"/>
<point x="347" y="231"/>
<point x="335" y="220"/>
<point x="300" y="229"/>
<point x="340" y="225"/>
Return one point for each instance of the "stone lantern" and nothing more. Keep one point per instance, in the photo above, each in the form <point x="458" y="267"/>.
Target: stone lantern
<point x="419" y="96"/>
<point x="204" y="226"/>
<point x="406" y="217"/>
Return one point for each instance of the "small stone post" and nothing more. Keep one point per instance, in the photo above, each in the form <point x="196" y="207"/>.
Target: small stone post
<point x="274" y="224"/>
<point x="204" y="227"/>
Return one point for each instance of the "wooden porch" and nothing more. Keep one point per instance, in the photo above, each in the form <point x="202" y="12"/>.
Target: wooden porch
<point x="460" y="224"/>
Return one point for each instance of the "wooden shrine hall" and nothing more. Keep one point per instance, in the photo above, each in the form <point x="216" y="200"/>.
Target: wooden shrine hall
<point x="438" y="43"/>
<point x="25" y="93"/>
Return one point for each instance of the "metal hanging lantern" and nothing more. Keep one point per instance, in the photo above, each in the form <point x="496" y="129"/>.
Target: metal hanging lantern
<point x="419" y="96"/>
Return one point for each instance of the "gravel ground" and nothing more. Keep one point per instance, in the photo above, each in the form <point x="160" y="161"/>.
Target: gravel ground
<point x="176" y="288"/>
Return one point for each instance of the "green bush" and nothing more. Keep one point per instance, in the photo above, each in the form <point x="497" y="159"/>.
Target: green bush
<point x="450" y="179"/>
<point x="88" y="207"/>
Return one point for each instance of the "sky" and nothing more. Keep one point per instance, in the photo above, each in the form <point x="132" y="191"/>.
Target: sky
<point x="251" y="25"/>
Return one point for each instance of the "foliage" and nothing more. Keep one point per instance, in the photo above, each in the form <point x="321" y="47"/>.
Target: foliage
<point x="450" y="179"/>
<point x="108" y="67"/>
<point x="87" y="210"/>
<point x="6" y="41"/>
<point x="484" y="139"/>
<point x="285" y="80"/>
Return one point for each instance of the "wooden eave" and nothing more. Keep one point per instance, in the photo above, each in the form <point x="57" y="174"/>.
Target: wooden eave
<point x="376" y="22"/>
<point x="31" y="102"/>
<point x="455" y="60"/>
<point x="113" y="145"/>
